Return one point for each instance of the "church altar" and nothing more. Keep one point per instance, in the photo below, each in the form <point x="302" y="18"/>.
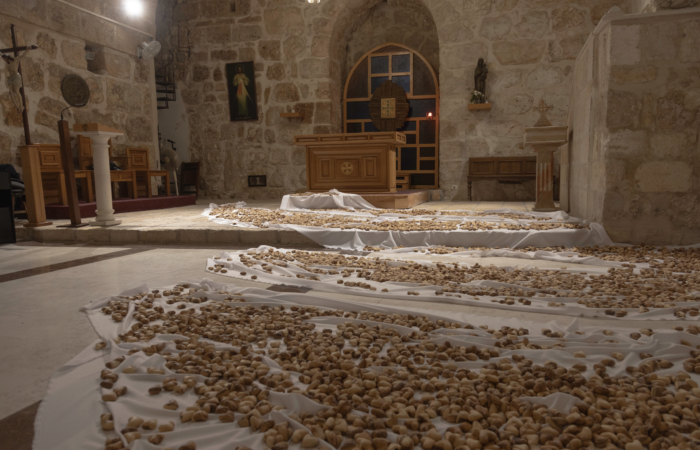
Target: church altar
<point x="351" y="162"/>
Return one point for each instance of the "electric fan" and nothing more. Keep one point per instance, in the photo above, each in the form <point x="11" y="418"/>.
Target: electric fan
<point x="149" y="50"/>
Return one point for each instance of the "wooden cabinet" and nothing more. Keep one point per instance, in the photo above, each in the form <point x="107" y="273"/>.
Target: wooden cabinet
<point x="351" y="162"/>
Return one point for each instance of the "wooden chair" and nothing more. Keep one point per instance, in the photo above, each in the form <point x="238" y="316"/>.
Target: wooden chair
<point x="189" y="173"/>
<point x="53" y="179"/>
<point x="116" y="176"/>
<point x="139" y="162"/>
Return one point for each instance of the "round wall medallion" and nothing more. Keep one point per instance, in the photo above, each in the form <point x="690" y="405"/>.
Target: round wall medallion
<point x="388" y="107"/>
<point x="347" y="168"/>
<point x="75" y="90"/>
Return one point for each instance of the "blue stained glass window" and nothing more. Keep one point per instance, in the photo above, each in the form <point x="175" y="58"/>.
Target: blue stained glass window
<point x="427" y="132"/>
<point x="380" y="64"/>
<point x="377" y="81"/>
<point x="401" y="63"/>
<point x="421" y="107"/>
<point x="358" y="110"/>
<point x="354" y="128"/>
<point x="408" y="126"/>
<point x="427" y="165"/>
<point x="403" y="81"/>
<point x="409" y="158"/>
<point x="427" y="152"/>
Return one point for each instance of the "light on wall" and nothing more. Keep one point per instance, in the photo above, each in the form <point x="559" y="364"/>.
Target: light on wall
<point x="133" y="7"/>
<point x="430" y="116"/>
<point x="314" y="1"/>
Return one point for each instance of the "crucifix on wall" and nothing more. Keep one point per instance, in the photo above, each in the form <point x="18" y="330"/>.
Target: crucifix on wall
<point x="14" y="81"/>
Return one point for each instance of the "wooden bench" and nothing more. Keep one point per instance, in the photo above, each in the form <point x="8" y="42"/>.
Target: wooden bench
<point x="504" y="169"/>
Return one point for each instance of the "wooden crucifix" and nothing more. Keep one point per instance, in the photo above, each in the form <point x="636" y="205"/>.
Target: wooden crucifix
<point x="14" y="80"/>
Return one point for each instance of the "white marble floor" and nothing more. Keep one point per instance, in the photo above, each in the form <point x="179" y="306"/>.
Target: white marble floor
<point x="190" y="216"/>
<point x="42" y="328"/>
<point x="14" y="258"/>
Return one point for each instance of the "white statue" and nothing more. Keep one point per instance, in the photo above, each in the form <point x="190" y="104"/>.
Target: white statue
<point x="13" y="79"/>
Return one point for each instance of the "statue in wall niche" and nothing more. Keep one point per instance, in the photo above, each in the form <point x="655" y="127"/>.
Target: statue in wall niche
<point x="480" y="74"/>
<point x="13" y="80"/>
<point x="676" y="4"/>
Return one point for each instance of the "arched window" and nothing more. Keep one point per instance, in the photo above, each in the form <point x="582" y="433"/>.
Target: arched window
<point x="417" y="162"/>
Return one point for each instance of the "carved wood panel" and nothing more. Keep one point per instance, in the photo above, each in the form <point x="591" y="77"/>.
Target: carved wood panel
<point x="350" y="168"/>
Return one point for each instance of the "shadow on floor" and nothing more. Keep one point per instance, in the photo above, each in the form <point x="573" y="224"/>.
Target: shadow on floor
<point x="17" y="430"/>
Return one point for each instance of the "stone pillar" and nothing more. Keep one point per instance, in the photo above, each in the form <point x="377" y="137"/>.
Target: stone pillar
<point x="545" y="178"/>
<point x="100" y="136"/>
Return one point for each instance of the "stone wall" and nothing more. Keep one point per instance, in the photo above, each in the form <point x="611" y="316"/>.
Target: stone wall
<point x="289" y="42"/>
<point x="641" y="176"/>
<point x="121" y="90"/>
<point x="406" y="22"/>
<point x="302" y="53"/>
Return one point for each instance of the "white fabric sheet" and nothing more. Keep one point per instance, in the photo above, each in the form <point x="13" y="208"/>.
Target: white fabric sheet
<point x="69" y="416"/>
<point x="336" y="200"/>
<point x="399" y="290"/>
<point x="355" y="239"/>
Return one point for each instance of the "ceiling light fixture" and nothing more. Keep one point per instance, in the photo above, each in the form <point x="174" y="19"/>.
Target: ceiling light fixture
<point x="133" y="7"/>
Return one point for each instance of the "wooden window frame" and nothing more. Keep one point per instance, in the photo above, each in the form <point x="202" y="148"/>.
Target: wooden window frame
<point x="413" y="54"/>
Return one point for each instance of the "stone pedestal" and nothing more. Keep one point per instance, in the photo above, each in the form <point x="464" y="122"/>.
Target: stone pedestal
<point x="544" y="141"/>
<point x="100" y="136"/>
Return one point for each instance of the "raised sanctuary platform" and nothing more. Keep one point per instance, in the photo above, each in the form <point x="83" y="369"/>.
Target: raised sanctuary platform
<point x="186" y="226"/>
<point x="401" y="199"/>
<point x="124" y="205"/>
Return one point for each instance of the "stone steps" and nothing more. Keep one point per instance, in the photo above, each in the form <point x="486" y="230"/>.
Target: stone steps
<point x="165" y="236"/>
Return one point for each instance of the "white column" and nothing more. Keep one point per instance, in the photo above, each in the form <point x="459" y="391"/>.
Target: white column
<point x="103" y="191"/>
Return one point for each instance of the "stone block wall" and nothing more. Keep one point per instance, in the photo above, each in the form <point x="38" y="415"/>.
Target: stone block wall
<point x="406" y="22"/>
<point x="636" y="168"/>
<point x="303" y="52"/>
<point x="121" y="85"/>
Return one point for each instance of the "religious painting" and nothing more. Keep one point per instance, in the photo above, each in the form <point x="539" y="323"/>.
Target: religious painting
<point x="241" y="91"/>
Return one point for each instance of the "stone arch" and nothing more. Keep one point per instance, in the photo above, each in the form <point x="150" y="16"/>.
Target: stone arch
<point x="346" y="18"/>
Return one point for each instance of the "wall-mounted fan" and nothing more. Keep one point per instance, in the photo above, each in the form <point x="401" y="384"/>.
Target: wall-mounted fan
<point x="149" y="50"/>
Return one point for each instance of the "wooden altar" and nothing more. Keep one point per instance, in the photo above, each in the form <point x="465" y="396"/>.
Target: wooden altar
<point x="351" y="162"/>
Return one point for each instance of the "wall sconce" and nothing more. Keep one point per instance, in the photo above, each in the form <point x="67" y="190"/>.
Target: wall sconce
<point x="430" y="116"/>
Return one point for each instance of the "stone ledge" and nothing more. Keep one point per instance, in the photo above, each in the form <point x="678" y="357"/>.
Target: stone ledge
<point x="166" y="236"/>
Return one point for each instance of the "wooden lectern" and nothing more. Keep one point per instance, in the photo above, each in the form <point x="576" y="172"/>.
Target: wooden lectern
<point x="351" y="162"/>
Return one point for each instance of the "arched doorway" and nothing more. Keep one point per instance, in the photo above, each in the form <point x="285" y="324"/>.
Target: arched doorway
<point x="417" y="162"/>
